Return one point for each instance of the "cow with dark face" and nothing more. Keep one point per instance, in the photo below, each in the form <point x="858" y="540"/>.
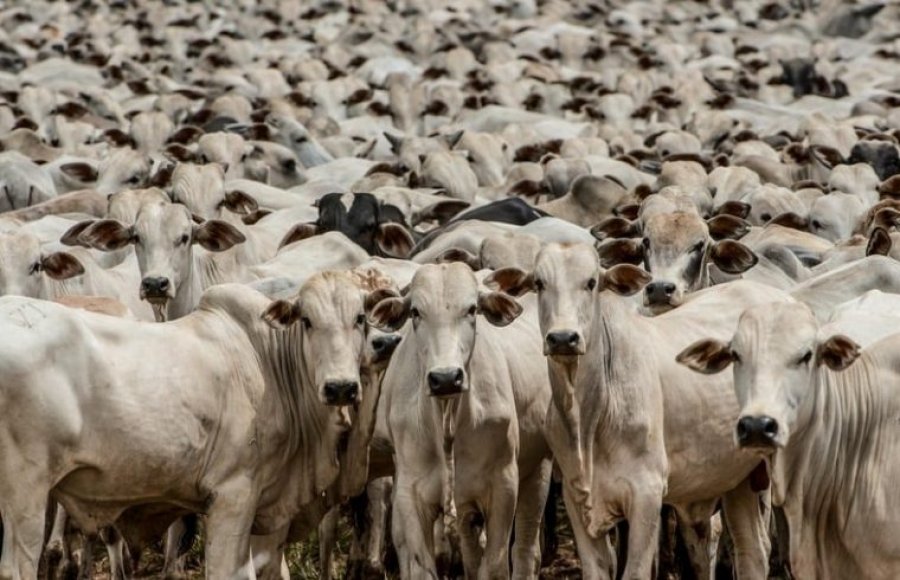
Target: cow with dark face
<point x="881" y="155"/>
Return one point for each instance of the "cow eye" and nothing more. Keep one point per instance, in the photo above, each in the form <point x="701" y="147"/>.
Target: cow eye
<point x="136" y="239"/>
<point x="307" y="324"/>
<point x="472" y="310"/>
<point x="414" y="313"/>
<point x="133" y="179"/>
<point x="184" y="239"/>
<point x="591" y="284"/>
<point x="765" y="217"/>
<point x="816" y="224"/>
<point x="697" y="247"/>
<point x="735" y="357"/>
<point x="360" y="319"/>
<point x="805" y="358"/>
<point x="539" y="285"/>
<point x="35" y="268"/>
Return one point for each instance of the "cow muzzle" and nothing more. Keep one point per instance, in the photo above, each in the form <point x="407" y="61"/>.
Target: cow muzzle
<point x="155" y="289"/>
<point x="340" y="393"/>
<point x="659" y="294"/>
<point x="563" y="343"/>
<point x="383" y="347"/>
<point x="757" y="432"/>
<point x="446" y="382"/>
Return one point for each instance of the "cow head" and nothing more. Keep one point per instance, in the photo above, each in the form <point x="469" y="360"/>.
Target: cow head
<point x="567" y="279"/>
<point x="330" y="312"/>
<point x="163" y="236"/>
<point x="443" y="305"/>
<point x="23" y="266"/>
<point x="775" y="352"/>
<point x="201" y="188"/>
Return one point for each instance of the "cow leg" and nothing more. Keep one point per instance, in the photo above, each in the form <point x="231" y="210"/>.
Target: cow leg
<point x="747" y="516"/>
<point x="115" y="549"/>
<point x="83" y="557"/>
<point x="598" y="559"/>
<point x="643" y="529"/>
<point x="55" y="552"/>
<point x="498" y="522"/>
<point x="470" y="527"/>
<point x="694" y="525"/>
<point x="228" y="531"/>
<point x="268" y="555"/>
<point x="179" y="538"/>
<point x="24" y="519"/>
<point x="379" y="492"/>
<point x="412" y="530"/>
<point x="529" y="511"/>
<point x="327" y="540"/>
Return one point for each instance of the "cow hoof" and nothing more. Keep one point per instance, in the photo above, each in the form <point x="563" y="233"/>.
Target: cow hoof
<point x="54" y="554"/>
<point x="373" y="571"/>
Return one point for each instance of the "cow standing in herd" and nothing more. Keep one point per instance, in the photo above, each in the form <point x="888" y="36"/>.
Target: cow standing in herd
<point x="421" y="267"/>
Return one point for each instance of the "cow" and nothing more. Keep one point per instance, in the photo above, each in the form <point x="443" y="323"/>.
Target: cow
<point x="453" y="386"/>
<point x="623" y="424"/>
<point x="818" y="410"/>
<point x="218" y="457"/>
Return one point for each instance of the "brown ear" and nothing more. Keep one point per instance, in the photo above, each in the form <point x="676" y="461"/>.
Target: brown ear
<point x="498" y="308"/>
<point x="732" y="257"/>
<point x="727" y="227"/>
<point x="240" y="203"/>
<point x="628" y="211"/>
<point x="106" y="235"/>
<point x="460" y="255"/>
<point x="736" y="208"/>
<point x="163" y="176"/>
<point x="180" y="153"/>
<point x="390" y="314"/>
<point x="255" y="216"/>
<point x="441" y="212"/>
<point x="706" y="356"/>
<point x="281" y="314"/>
<point x="217" y="236"/>
<point x="118" y="138"/>
<point x="880" y="243"/>
<point x="512" y="281"/>
<point x="376" y="296"/>
<point x="621" y="251"/>
<point x="791" y="220"/>
<point x="890" y="188"/>
<point x="297" y="233"/>
<point x="61" y="266"/>
<point x="185" y="135"/>
<point x="80" y="171"/>
<point x="837" y="353"/>
<point x="616" y="227"/>
<point x="394" y="240"/>
<point x="827" y="156"/>
<point x="626" y="279"/>
<point x="886" y="217"/>
<point x="72" y="237"/>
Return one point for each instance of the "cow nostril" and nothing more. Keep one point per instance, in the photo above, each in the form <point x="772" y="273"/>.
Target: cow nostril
<point x="669" y="288"/>
<point x="769" y="427"/>
<point x="164" y="284"/>
<point x="743" y="428"/>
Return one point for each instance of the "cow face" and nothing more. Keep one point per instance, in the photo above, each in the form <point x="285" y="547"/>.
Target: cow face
<point x="331" y="312"/>
<point x="675" y="253"/>
<point x="881" y="156"/>
<point x="443" y="305"/>
<point x="23" y="266"/>
<point x="775" y="352"/>
<point x="567" y="278"/>
<point x="163" y="236"/>
<point x="124" y="169"/>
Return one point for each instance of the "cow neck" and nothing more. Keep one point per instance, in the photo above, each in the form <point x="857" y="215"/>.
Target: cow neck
<point x="310" y="441"/>
<point x="187" y="296"/>
<point x="816" y="476"/>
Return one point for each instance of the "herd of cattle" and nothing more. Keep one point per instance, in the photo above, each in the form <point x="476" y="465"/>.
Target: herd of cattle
<point x="415" y="260"/>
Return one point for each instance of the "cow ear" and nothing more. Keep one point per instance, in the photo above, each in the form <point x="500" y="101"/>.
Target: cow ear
<point x="736" y="208"/>
<point x="375" y="296"/>
<point x="79" y="170"/>
<point x="253" y="217"/>
<point x="616" y="227"/>
<point x="706" y="356"/>
<point x="240" y="203"/>
<point x="217" y="236"/>
<point x="498" y="308"/>
<point x="827" y="156"/>
<point x="791" y="220"/>
<point x="727" y="227"/>
<point x="61" y="266"/>
<point x="621" y="251"/>
<point x="297" y="233"/>
<point x="119" y="138"/>
<point x="626" y="279"/>
<point x="281" y="314"/>
<point x="441" y="212"/>
<point x="72" y="237"/>
<point x="453" y="139"/>
<point x="395" y="142"/>
<point x="880" y="243"/>
<point x="394" y="240"/>
<point x="886" y="217"/>
<point x="460" y="255"/>
<point x="732" y="257"/>
<point x="107" y="235"/>
<point x="512" y="281"/>
<point x="837" y="353"/>
<point x="163" y="176"/>
<point x="390" y="314"/>
<point x="180" y="153"/>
